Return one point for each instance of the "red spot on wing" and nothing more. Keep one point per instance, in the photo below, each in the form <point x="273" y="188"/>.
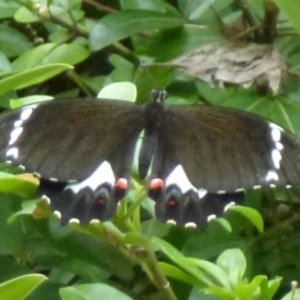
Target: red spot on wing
<point x="122" y="184"/>
<point x="172" y="202"/>
<point x="101" y="201"/>
<point x="156" y="184"/>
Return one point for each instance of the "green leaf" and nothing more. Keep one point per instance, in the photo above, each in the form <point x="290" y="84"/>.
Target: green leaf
<point x="17" y="186"/>
<point x="31" y="77"/>
<point x="8" y="8"/>
<point x="15" y="103"/>
<point x="119" y="91"/>
<point x="293" y="295"/>
<point x="13" y="43"/>
<point x="268" y="288"/>
<point x="178" y="274"/>
<point x="28" y="208"/>
<point x="93" y="291"/>
<point x="153" y="5"/>
<point x="51" y="53"/>
<point x="290" y="8"/>
<point x="136" y="239"/>
<point x="213" y="270"/>
<point x="120" y="25"/>
<point x="19" y="288"/>
<point x="24" y="15"/>
<point x="233" y="262"/>
<point x="5" y="65"/>
<point x="250" y="214"/>
<point x="185" y="263"/>
<point x="221" y="293"/>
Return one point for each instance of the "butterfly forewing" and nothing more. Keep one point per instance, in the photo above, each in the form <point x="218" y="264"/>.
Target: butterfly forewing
<point x="68" y="139"/>
<point x="226" y="150"/>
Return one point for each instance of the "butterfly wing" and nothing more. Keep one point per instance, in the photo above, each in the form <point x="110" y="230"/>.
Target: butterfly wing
<point x="68" y="139"/>
<point x="209" y="150"/>
<point x="82" y="149"/>
<point x="226" y="150"/>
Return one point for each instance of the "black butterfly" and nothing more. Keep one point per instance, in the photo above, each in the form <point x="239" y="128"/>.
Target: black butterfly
<point x="201" y="158"/>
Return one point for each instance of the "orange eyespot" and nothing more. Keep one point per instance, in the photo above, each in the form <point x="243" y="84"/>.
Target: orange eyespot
<point x="156" y="184"/>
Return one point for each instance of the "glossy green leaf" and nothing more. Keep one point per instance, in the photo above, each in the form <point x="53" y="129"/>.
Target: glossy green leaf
<point x="153" y="5"/>
<point x="178" y="274"/>
<point x="31" y="77"/>
<point x="51" y="53"/>
<point x="15" y="103"/>
<point x="24" y="15"/>
<point x="233" y="263"/>
<point x="8" y="8"/>
<point x="119" y="91"/>
<point x="249" y="291"/>
<point x="221" y="293"/>
<point x="212" y="270"/>
<point x="272" y="288"/>
<point x="136" y="239"/>
<point x="250" y="214"/>
<point x="120" y="25"/>
<point x="17" y="186"/>
<point x="13" y="43"/>
<point x="290" y="8"/>
<point x="293" y="295"/>
<point x="5" y="65"/>
<point x="19" y="288"/>
<point x="181" y="260"/>
<point x="28" y="207"/>
<point x="94" y="291"/>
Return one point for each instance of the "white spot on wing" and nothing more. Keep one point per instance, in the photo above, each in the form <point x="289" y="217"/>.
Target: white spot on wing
<point x="275" y="134"/>
<point x="18" y="123"/>
<point x="279" y="146"/>
<point x="102" y="174"/>
<point x="276" y="158"/>
<point x="57" y="214"/>
<point x="221" y="192"/>
<point x="190" y="225"/>
<point x="201" y="193"/>
<point x="171" y="222"/>
<point x="94" y="221"/>
<point x="179" y="178"/>
<point x="26" y="113"/>
<point x="13" y="152"/>
<point x="230" y="204"/>
<point x="271" y="175"/>
<point x="47" y="199"/>
<point x="14" y="135"/>
<point x="211" y="217"/>
<point x="74" y="221"/>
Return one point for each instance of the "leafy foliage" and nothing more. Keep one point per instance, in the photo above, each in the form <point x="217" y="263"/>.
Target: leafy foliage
<point x="71" y="48"/>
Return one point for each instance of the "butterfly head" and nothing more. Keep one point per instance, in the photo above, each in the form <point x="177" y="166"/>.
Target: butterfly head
<point x="158" y="96"/>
